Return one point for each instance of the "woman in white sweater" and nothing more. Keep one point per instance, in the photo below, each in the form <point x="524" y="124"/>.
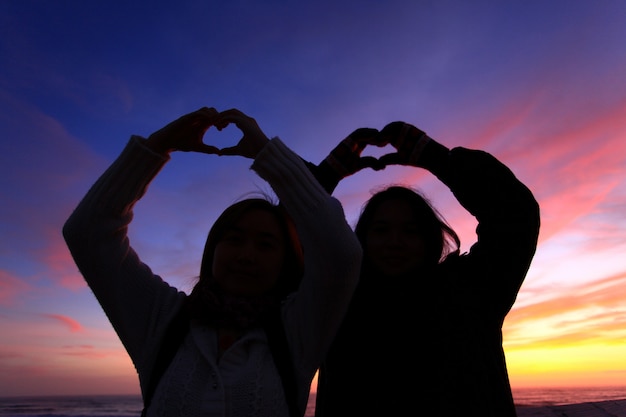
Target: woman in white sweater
<point x="257" y="274"/>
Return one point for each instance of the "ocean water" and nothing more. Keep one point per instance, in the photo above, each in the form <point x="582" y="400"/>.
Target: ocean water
<point x="540" y="397"/>
<point x="76" y="406"/>
<point x="130" y="405"/>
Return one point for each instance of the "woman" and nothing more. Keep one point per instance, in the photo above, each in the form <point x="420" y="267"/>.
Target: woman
<point x="252" y="273"/>
<point x="423" y="333"/>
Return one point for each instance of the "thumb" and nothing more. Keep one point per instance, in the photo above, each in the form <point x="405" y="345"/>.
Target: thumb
<point x="371" y="162"/>
<point x="391" y="132"/>
<point x="366" y="136"/>
<point x="208" y="149"/>
<point x="231" y="150"/>
<point x="390" y="159"/>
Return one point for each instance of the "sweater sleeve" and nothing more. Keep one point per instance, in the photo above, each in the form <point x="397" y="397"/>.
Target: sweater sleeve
<point x="507" y="215"/>
<point x="332" y="258"/>
<point x="138" y="303"/>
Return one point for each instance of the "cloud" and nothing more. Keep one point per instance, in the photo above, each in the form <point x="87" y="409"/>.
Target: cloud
<point x="73" y="325"/>
<point x="59" y="264"/>
<point x="80" y="369"/>
<point x="585" y="313"/>
<point x="579" y="172"/>
<point x="11" y="289"/>
<point x="84" y="351"/>
<point x="43" y="177"/>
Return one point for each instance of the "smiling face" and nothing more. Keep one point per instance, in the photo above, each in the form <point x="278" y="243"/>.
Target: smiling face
<point x="393" y="241"/>
<point x="249" y="257"/>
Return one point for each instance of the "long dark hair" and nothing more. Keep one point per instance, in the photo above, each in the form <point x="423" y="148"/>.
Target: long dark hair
<point x="440" y="239"/>
<point x="292" y="270"/>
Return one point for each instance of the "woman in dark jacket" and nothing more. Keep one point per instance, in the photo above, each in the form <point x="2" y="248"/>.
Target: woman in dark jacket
<point x="423" y="333"/>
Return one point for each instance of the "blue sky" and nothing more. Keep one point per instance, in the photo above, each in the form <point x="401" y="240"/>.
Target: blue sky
<point x="539" y="84"/>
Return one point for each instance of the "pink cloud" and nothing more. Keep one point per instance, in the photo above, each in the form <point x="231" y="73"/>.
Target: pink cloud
<point x="11" y="288"/>
<point x="569" y="311"/>
<point x="84" y="351"/>
<point x="577" y="172"/>
<point x="559" y="210"/>
<point x="72" y="324"/>
<point x="66" y="370"/>
<point x="59" y="263"/>
<point x="55" y="168"/>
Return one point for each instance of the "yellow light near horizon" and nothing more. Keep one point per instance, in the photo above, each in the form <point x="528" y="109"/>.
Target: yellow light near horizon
<point x="583" y="365"/>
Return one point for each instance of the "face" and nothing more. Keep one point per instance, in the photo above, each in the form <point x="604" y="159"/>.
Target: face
<point x="249" y="258"/>
<point x="394" y="244"/>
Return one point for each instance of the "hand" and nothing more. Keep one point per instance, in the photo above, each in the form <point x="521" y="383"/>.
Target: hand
<point x="185" y="133"/>
<point x="408" y="140"/>
<point x="253" y="139"/>
<point x="346" y="158"/>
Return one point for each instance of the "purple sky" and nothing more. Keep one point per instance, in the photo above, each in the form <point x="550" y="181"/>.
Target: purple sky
<point x="539" y="84"/>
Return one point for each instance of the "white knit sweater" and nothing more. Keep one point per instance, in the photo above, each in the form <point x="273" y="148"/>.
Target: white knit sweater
<point x="245" y="381"/>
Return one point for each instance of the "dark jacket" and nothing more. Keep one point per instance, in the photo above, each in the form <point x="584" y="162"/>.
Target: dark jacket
<point x="432" y="344"/>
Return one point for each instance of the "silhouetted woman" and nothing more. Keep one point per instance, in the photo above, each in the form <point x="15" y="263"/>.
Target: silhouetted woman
<point x="423" y="334"/>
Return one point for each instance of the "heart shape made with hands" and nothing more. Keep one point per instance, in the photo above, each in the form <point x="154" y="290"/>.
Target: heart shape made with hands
<point x="224" y="137"/>
<point x="407" y="140"/>
<point x="378" y="159"/>
<point x="200" y="138"/>
<point x="347" y="157"/>
<point x="378" y="163"/>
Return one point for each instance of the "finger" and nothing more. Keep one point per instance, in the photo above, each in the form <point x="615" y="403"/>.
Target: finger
<point x="231" y="112"/>
<point x="364" y="132"/>
<point x="231" y="150"/>
<point x="209" y="111"/>
<point x="365" y="136"/>
<point x="383" y="138"/>
<point x="208" y="149"/>
<point x="379" y="167"/>
<point x="370" y="162"/>
<point x="391" y="131"/>
<point x="203" y="115"/>
<point x="393" y="127"/>
<point x="390" y="159"/>
<point x="220" y="124"/>
<point x="241" y="120"/>
<point x="231" y="116"/>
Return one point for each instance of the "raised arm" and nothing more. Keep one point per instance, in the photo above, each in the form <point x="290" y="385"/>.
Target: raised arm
<point x="507" y="212"/>
<point x="136" y="301"/>
<point x="345" y="159"/>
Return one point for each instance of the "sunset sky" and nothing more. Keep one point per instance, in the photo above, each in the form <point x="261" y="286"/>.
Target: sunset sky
<point x="539" y="84"/>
